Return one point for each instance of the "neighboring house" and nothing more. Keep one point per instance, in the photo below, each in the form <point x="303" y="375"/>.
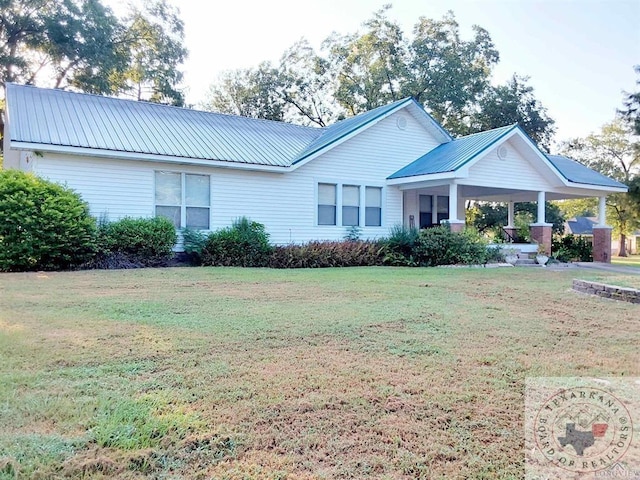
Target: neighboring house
<point x="392" y="165"/>
<point x="583" y="226"/>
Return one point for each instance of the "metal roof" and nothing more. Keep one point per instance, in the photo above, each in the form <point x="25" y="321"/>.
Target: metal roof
<point x="577" y="173"/>
<point x="452" y="155"/>
<point x="57" y="117"/>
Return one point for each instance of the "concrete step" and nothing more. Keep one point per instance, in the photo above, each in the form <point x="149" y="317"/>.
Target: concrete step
<point x="528" y="262"/>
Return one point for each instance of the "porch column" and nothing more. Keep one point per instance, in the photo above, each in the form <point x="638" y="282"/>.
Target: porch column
<point x="455" y="223"/>
<point x="602" y="235"/>
<point x="511" y="226"/>
<point x="434" y="209"/>
<point x="541" y="230"/>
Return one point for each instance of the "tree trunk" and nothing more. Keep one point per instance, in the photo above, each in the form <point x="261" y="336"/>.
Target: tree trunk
<point x="623" y="245"/>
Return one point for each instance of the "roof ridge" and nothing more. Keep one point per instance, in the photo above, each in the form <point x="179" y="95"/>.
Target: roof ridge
<point x="505" y="127"/>
<point x="162" y="105"/>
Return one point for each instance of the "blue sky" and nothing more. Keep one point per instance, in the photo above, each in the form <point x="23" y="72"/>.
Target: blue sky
<point x="579" y="54"/>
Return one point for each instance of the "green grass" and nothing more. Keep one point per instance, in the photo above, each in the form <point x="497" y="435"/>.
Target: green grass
<point x="630" y="261"/>
<point x="254" y="373"/>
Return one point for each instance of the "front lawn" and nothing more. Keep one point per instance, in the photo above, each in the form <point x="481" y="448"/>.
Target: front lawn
<point x="630" y="261"/>
<point x="227" y="373"/>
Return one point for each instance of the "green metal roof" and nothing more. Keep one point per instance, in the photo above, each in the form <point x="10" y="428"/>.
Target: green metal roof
<point x="577" y="173"/>
<point x="452" y="155"/>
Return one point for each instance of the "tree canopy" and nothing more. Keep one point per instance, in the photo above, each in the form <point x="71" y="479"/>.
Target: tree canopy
<point x="83" y="45"/>
<point x="353" y="73"/>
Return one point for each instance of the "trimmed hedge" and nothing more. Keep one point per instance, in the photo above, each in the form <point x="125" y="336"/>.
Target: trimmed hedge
<point x="571" y="248"/>
<point x="328" y="254"/>
<point x="134" y="243"/>
<point x="43" y="225"/>
<point x="440" y="246"/>
<point x="244" y="244"/>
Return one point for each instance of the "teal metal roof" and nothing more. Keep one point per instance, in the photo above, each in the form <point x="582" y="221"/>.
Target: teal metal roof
<point x="452" y="155"/>
<point x="44" y="117"/>
<point x="577" y="173"/>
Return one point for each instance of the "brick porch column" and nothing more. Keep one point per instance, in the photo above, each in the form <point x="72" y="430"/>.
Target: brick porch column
<point x="541" y="233"/>
<point x="602" y="244"/>
<point x="511" y="231"/>
<point x="456" y="227"/>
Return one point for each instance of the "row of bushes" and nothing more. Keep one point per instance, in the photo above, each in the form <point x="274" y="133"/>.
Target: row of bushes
<point x="246" y="244"/>
<point x="46" y="226"/>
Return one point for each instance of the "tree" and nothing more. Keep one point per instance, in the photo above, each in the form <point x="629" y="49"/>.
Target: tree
<point x="614" y="153"/>
<point x="510" y="103"/>
<point x="380" y="64"/>
<point x="251" y="93"/>
<point x="631" y="111"/>
<point x="485" y="216"/>
<point x="153" y="43"/>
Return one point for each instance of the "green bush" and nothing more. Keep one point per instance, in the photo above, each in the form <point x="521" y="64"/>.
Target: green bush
<point x="571" y="248"/>
<point x="43" y="225"/>
<point x="440" y="246"/>
<point x="193" y="242"/>
<point x="135" y="242"/>
<point x="244" y="244"/>
<point x="399" y="246"/>
<point x="348" y="253"/>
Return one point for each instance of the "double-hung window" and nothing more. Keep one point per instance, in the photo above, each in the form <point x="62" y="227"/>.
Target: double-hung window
<point x="373" y="207"/>
<point x="183" y="198"/>
<point x="327" y="204"/>
<point x="350" y="205"/>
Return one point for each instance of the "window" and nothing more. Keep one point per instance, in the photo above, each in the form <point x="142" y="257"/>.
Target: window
<point x="184" y="199"/>
<point x="326" y="204"/>
<point x="425" y="211"/>
<point x="350" y="205"/>
<point x="373" y="207"/>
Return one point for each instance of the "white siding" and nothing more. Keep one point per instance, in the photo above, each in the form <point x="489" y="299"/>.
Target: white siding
<point x="515" y="172"/>
<point x="285" y="203"/>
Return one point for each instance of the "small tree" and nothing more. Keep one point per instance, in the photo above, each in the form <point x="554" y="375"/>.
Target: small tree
<point x="44" y="226"/>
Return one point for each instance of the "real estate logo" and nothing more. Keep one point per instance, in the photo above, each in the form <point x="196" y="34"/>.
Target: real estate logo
<point x="583" y="429"/>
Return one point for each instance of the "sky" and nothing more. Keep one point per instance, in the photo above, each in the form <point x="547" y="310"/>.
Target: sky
<point x="579" y="54"/>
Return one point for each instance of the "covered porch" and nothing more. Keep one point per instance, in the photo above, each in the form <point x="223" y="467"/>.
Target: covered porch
<point x="502" y="165"/>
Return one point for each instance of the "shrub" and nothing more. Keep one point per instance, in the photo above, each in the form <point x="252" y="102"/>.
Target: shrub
<point x="44" y="226"/>
<point x="193" y="242"/>
<point x="244" y="244"/>
<point x="135" y="242"/>
<point x="328" y="254"/>
<point x="440" y="246"/>
<point x="571" y="248"/>
<point x="400" y="245"/>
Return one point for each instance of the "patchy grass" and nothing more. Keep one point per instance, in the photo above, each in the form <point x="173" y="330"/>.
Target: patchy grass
<point x="226" y="373"/>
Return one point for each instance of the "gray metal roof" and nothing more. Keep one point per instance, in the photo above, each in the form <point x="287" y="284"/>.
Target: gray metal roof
<point x="577" y="173"/>
<point x="57" y="117"/>
<point x="450" y="156"/>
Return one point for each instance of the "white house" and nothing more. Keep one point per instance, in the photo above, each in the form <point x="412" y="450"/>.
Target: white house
<point x="392" y="165"/>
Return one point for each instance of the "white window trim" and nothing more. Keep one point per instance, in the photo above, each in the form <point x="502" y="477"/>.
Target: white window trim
<point x="183" y="196"/>
<point x="362" y="207"/>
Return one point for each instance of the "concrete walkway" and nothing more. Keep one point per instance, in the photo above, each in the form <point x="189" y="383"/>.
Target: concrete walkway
<point x="608" y="267"/>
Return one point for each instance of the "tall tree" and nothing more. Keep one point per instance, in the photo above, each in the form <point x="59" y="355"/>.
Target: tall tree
<point x="510" y="103"/>
<point x="631" y="111"/>
<point x="448" y="74"/>
<point x="153" y="43"/>
<point x="363" y="70"/>
<point x="612" y="152"/>
<point x="253" y="92"/>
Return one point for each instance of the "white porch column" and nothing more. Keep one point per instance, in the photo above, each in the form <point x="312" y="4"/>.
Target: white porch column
<point x="541" y="205"/>
<point x="511" y="215"/>
<point x="453" y="202"/>
<point x="602" y="212"/>
<point x="434" y="209"/>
